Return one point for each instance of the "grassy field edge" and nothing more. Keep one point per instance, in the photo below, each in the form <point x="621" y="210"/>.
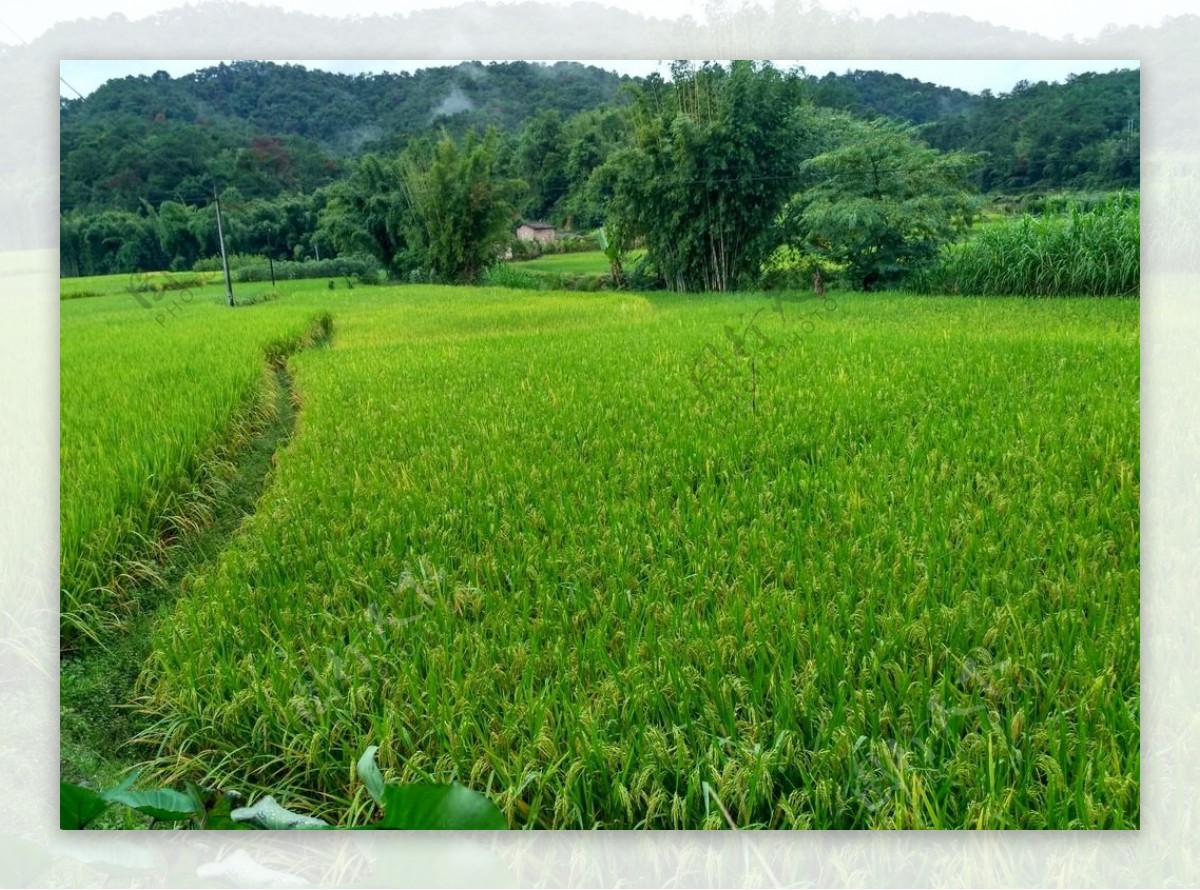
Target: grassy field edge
<point x="138" y="559"/>
<point x="99" y="720"/>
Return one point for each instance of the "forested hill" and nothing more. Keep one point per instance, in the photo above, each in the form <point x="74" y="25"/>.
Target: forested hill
<point x="1082" y="133"/>
<point x="335" y="109"/>
<point x="267" y="129"/>
<point x="1078" y="134"/>
<point x="892" y="95"/>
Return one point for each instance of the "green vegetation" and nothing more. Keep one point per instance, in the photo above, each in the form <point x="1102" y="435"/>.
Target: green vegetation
<point x="588" y="262"/>
<point x="405" y="807"/>
<point x="1082" y="252"/>
<point x="156" y="388"/>
<point x="696" y="170"/>
<point x="881" y="204"/>
<point x="458" y="212"/>
<point x="1084" y="133"/>
<point x="855" y="581"/>
<point x="711" y="165"/>
<point x="586" y="270"/>
<point x="707" y="546"/>
<point x="96" y="725"/>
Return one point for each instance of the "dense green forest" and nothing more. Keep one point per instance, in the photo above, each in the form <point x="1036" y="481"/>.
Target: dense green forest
<point x="311" y="163"/>
<point x="1080" y="134"/>
<point x="266" y="129"/>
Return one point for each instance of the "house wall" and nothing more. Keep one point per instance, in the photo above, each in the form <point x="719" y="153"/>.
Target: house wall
<point x="528" y="233"/>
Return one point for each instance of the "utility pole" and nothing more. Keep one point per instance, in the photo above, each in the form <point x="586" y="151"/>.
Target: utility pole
<point x="224" y="258"/>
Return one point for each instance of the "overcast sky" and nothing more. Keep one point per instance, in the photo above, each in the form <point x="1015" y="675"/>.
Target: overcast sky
<point x="974" y="76"/>
<point x="1077" y="18"/>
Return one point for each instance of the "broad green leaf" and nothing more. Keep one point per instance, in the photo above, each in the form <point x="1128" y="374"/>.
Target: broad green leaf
<point x="267" y="813"/>
<point x="369" y="772"/>
<point x="125" y="784"/>
<point x="159" y="803"/>
<point x="438" y="807"/>
<point x="218" y="817"/>
<point x="77" y="806"/>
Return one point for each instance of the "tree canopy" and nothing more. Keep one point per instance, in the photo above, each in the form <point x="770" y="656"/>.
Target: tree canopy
<point x="459" y="211"/>
<point x="882" y="203"/>
<point x="712" y="170"/>
<point x="713" y="161"/>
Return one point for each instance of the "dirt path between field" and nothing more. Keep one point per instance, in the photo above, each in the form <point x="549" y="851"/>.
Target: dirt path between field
<point x="97" y="719"/>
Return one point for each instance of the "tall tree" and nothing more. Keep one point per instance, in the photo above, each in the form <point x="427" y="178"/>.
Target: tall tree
<point x="460" y="212"/>
<point x="591" y="137"/>
<point x="882" y="203"/>
<point x="541" y="160"/>
<point x="365" y="212"/>
<point x="178" y="234"/>
<point x="714" y="159"/>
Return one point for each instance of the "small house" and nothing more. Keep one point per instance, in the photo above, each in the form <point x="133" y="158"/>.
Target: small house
<point x="535" y="231"/>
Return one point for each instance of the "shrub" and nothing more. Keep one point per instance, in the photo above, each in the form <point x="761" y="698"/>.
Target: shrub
<point x="789" y="268"/>
<point x="236" y="261"/>
<point x="643" y="275"/>
<point x="363" y="268"/>
<point x="571" y="243"/>
<point x="507" y="275"/>
<point x="524" y="250"/>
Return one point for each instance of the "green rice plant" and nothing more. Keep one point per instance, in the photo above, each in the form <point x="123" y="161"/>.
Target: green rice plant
<point x="889" y="580"/>
<point x="153" y="402"/>
<point x="1078" y="252"/>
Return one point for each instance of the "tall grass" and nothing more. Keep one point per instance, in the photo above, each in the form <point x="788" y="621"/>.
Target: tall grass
<point x="1079" y="252"/>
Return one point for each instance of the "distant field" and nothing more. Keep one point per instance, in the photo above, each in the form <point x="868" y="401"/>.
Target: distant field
<point x="93" y="286"/>
<point x="585" y="263"/>
<point x="147" y="284"/>
<point x="612" y="558"/>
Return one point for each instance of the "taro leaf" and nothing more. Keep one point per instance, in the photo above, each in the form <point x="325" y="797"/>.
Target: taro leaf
<point x="438" y="807"/>
<point x="369" y="772"/>
<point x="77" y="806"/>
<point x="160" y="803"/>
<point x="219" y="818"/>
<point x="269" y="814"/>
<point x="124" y="785"/>
<point x="197" y="797"/>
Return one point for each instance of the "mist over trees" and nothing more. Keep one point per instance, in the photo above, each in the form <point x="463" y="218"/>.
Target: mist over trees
<point x="710" y="171"/>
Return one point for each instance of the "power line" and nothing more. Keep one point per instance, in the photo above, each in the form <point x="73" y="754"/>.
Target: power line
<point x="68" y="86"/>
<point x="25" y="42"/>
<point x="13" y="33"/>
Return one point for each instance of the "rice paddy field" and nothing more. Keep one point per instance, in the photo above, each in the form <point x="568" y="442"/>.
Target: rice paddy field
<point x="150" y="391"/>
<point x="590" y="262"/>
<point x="626" y="560"/>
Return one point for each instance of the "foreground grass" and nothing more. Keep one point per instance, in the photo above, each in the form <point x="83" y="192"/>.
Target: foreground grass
<point x="886" y="575"/>
<point x="97" y="720"/>
<point x="151" y="397"/>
